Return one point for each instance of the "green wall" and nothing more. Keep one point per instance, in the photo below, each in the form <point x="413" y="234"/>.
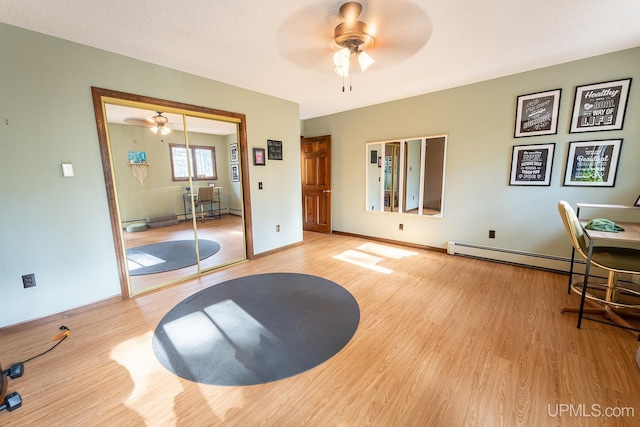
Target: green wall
<point x="59" y="228"/>
<point x="479" y="120"/>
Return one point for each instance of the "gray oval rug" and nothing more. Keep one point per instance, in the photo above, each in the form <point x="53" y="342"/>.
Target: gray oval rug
<point x="256" y="329"/>
<point x="167" y="256"/>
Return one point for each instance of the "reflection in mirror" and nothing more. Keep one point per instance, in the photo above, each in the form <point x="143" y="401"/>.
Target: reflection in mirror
<point x="406" y="176"/>
<point x="412" y="158"/>
<point x="391" y="175"/>
<point x="157" y="178"/>
<point x="218" y="211"/>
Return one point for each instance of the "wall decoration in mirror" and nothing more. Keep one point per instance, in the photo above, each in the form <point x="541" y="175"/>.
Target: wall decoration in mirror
<point x="409" y="176"/>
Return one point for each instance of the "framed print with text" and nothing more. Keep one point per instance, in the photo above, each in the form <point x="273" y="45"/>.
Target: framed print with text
<point x="531" y="164"/>
<point x="592" y="163"/>
<point x="274" y="149"/>
<point x="537" y="113"/>
<point x="600" y="106"/>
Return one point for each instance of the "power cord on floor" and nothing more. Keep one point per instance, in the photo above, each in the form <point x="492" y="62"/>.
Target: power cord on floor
<point x="13" y="401"/>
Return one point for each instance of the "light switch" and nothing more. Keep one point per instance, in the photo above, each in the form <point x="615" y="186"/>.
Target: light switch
<point x="67" y="169"/>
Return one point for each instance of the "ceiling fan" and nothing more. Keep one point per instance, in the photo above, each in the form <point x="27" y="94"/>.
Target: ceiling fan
<point x="389" y="31"/>
<point x="354" y="37"/>
<point x="157" y="124"/>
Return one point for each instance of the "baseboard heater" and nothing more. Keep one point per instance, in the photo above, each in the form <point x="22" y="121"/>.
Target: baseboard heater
<point x="530" y="259"/>
<point x="511" y="256"/>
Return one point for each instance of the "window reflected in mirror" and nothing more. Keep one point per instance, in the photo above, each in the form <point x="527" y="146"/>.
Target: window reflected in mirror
<point x="406" y="176"/>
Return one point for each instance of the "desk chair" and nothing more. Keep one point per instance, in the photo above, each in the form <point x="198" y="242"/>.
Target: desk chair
<point x="614" y="260"/>
<point x="204" y="196"/>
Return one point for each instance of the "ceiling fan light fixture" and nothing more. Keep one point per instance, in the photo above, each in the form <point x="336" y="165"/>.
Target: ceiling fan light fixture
<point x="342" y="71"/>
<point x="365" y="60"/>
<point x="161" y="124"/>
<point x="341" y="57"/>
<point x="353" y="37"/>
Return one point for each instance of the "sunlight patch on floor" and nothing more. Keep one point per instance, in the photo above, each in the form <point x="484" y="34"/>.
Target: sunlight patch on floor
<point x="146" y="373"/>
<point x="136" y="356"/>
<point x="362" y="259"/>
<point x="135" y="261"/>
<point x="240" y="328"/>
<point x="386" y="251"/>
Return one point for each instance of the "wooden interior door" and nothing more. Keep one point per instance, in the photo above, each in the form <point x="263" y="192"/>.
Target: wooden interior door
<point x="316" y="183"/>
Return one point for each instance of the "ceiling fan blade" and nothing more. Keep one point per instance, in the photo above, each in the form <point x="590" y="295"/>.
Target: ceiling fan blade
<point x="138" y="121"/>
<point x="306" y="38"/>
<point x="402" y="29"/>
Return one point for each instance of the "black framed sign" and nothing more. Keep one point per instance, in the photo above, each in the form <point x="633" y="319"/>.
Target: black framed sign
<point x="592" y="163"/>
<point x="274" y="149"/>
<point x="531" y="164"/>
<point x="537" y="113"/>
<point x="600" y="106"/>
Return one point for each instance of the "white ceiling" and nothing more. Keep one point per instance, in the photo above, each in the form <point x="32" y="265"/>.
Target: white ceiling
<point x="284" y="48"/>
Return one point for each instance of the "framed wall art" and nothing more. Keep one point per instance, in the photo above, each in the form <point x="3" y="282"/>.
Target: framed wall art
<point x="532" y="164"/>
<point x="233" y="152"/>
<point x="600" y="106"/>
<point x="235" y="173"/>
<point x="259" y="158"/>
<point x="274" y="149"/>
<point x="137" y="156"/>
<point x="537" y="113"/>
<point x="592" y="163"/>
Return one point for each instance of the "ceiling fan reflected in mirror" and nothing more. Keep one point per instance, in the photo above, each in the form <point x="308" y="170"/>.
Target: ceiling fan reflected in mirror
<point x="157" y="124"/>
<point x="354" y="37"/>
<point x="161" y="124"/>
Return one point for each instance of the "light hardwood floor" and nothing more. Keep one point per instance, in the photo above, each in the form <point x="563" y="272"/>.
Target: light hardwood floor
<point x="442" y="341"/>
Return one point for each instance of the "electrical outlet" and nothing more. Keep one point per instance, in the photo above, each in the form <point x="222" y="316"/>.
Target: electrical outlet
<point x="277" y="228"/>
<point x="492" y="234"/>
<point x="29" y="280"/>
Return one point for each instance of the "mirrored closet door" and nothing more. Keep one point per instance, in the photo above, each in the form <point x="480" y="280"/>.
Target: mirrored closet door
<point x="175" y="181"/>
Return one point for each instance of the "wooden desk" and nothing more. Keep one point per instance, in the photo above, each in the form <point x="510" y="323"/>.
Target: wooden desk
<point x="631" y="234"/>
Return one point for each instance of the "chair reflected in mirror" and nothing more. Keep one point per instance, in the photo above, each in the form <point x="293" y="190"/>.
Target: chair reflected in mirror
<point x="204" y="197"/>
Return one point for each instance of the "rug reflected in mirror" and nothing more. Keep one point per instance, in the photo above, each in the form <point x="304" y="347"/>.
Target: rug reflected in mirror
<point x="167" y="256"/>
<point x="256" y="329"/>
